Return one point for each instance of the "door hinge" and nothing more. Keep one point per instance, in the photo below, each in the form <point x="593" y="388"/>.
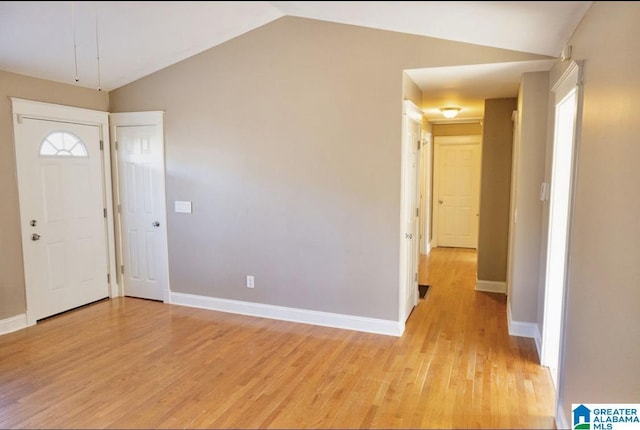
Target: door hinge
<point x="417" y="211"/>
<point x="418" y="143"/>
<point x="116" y="142"/>
<point x="415" y="277"/>
<point x="118" y="208"/>
<point x="108" y="278"/>
<point x="104" y="212"/>
<point x="101" y="145"/>
<point x="122" y="269"/>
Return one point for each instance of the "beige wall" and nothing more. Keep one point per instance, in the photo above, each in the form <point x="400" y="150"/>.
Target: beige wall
<point x="602" y="339"/>
<point x="529" y="156"/>
<point x="12" y="293"/>
<point x="411" y="91"/>
<point x="495" y="189"/>
<point x="457" y="129"/>
<point x="287" y="141"/>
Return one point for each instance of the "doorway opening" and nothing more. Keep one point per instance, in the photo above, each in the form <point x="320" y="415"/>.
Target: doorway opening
<point x="567" y="105"/>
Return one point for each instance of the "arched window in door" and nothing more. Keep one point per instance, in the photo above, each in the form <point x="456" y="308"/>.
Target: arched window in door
<point x="63" y="144"/>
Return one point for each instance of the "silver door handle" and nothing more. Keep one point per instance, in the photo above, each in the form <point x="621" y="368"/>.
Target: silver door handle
<point x="156" y="224"/>
<point x="35" y="236"/>
<point x="408" y="236"/>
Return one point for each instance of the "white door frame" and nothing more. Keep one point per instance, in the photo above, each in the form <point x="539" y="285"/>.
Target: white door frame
<point x="22" y="108"/>
<point x="515" y="167"/>
<point x="474" y="139"/>
<point x="155" y="118"/>
<point x="426" y="155"/>
<point x="410" y="113"/>
<point x="571" y="79"/>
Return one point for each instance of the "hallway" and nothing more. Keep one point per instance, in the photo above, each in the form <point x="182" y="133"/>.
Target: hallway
<point x="487" y="378"/>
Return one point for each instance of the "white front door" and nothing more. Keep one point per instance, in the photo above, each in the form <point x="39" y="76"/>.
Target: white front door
<point x="62" y="214"/>
<point x="140" y="155"/>
<point x="457" y="194"/>
<point x="410" y="187"/>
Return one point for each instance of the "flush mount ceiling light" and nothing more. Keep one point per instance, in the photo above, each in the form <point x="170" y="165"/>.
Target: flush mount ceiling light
<point x="450" y="112"/>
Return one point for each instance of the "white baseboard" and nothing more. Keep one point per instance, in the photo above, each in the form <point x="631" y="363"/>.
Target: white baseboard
<point x="523" y="329"/>
<point x="561" y="419"/>
<point x="12" y="324"/>
<point x="326" y="319"/>
<point x="491" y="286"/>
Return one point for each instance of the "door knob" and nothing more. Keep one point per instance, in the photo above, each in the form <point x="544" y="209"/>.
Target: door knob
<point x="440" y="201"/>
<point x="35" y="236"/>
<point x="33" y="223"/>
<point x="156" y="224"/>
<point x="408" y="236"/>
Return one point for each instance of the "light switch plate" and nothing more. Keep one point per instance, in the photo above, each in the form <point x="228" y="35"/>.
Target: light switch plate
<point x="182" y="207"/>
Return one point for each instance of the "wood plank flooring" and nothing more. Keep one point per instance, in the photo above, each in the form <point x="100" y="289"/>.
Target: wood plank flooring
<point x="131" y="363"/>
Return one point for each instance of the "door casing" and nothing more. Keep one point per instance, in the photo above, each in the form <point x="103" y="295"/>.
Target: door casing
<point x="439" y="141"/>
<point x="124" y="119"/>
<point x="411" y="113"/>
<point x="22" y="108"/>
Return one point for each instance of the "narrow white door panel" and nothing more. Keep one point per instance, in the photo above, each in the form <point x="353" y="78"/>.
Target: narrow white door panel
<point x="410" y="189"/>
<point x="140" y="151"/>
<point x="62" y="211"/>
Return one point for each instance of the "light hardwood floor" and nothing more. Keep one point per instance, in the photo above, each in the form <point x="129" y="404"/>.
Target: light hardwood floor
<point x="131" y="363"/>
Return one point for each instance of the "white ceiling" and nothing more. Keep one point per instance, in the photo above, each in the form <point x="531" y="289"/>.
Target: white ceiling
<point x="139" y="38"/>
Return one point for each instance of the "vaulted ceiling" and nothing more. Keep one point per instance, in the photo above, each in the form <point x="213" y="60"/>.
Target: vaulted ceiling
<point x="137" y="38"/>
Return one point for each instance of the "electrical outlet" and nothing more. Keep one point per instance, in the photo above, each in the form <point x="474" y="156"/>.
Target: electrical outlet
<point x="249" y="281"/>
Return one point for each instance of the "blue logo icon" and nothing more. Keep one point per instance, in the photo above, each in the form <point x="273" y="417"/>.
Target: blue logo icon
<point x="582" y="418"/>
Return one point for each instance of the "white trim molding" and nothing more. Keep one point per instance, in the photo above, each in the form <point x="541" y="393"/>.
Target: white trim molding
<point x="11" y="324"/>
<point x="412" y="111"/>
<point x="524" y="329"/>
<point x="304" y="316"/>
<point x="561" y="418"/>
<point x="491" y="286"/>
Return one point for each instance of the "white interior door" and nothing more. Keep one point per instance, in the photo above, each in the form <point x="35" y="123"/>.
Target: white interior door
<point x="410" y="188"/>
<point x="456" y="193"/>
<point x="140" y="154"/>
<point x="62" y="213"/>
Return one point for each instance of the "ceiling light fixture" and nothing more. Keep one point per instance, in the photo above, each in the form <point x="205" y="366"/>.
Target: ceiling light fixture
<point x="450" y="112"/>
